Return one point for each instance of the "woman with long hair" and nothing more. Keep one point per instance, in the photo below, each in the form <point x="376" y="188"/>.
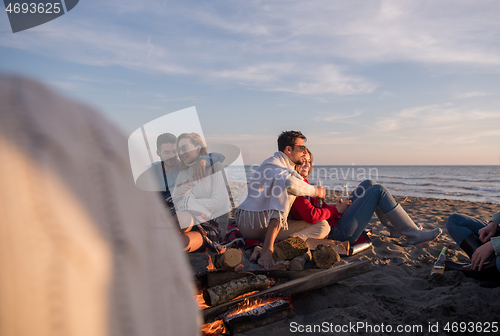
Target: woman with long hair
<point x="349" y="218"/>
<point x="198" y="202"/>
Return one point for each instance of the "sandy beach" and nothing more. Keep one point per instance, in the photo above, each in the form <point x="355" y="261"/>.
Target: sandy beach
<point x="399" y="290"/>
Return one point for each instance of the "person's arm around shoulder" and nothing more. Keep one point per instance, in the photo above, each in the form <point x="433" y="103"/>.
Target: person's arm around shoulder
<point x="204" y="161"/>
<point x="214" y="157"/>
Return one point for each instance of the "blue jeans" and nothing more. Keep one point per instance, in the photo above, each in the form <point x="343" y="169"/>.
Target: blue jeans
<point x="365" y="199"/>
<point x="460" y="226"/>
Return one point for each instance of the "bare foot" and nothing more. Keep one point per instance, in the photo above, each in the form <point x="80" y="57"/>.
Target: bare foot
<point x="256" y="253"/>
<point x="266" y="259"/>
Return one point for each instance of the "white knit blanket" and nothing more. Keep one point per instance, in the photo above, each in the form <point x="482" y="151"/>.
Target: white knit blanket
<point x="267" y="190"/>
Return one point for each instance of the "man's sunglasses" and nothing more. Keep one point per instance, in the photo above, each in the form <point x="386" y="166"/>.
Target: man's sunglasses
<point x="302" y="148"/>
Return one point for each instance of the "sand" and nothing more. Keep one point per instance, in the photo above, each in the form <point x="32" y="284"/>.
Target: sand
<point x="399" y="290"/>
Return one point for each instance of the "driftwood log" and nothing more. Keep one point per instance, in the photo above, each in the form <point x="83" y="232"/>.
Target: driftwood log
<point x="290" y="248"/>
<point x="325" y="256"/>
<point x="299" y="263"/>
<point x="226" y="292"/>
<point x="228" y="260"/>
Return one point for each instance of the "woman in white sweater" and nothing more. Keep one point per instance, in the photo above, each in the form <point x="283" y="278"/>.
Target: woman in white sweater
<point x="198" y="202"/>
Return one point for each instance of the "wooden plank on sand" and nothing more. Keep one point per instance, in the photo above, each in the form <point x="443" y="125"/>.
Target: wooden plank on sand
<point x="306" y="283"/>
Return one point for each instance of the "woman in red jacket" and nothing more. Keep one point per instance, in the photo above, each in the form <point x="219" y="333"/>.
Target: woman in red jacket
<point x="349" y="218"/>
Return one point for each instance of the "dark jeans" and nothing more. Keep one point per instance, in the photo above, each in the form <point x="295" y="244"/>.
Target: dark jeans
<point x="460" y="226"/>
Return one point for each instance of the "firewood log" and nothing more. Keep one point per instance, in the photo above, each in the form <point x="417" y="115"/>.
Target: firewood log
<point x="281" y="265"/>
<point x="325" y="256"/>
<point x="342" y="248"/>
<point x="290" y="248"/>
<point x="228" y="260"/>
<point x="299" y="263"/>
<point x="223" y="293"/>
<point x="258" y="317"/>
<point x="307" y="280"/>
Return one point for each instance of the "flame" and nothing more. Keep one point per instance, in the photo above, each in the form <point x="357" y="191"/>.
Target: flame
<point x="245" y="295"/>
<point x="219" y="328"/>
<point x="210" y="263"/>
<point x="201" y="302"/>
<point x="214" y="328"/>
<point x="250" y="304"/>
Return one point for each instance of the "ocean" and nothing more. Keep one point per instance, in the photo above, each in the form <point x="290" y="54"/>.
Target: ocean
<point x="466" y="183"/>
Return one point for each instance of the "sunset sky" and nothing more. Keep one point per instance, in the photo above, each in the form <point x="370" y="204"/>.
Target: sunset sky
<point x="368" y="82"/>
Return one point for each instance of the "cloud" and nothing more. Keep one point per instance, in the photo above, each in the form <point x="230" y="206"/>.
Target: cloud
<point x="63" y="85"/>
<point x="137" y="107"/>
<point x="473" y="94"/>
<point x="243" y="139"/>
<point x="100" y="81"/>
<point x="329" y="80"/>
<point x="172" y="98"/>
<point x="150" y="47"/>
<point x="387" y="94"/>
<point x="388" y="31"/>
<point x="439" y="124"/>
<point x="331" y="117"/>
<point x="252" y="75"/>
<point x="287" y="77"/>
<point x="308" y="48"/>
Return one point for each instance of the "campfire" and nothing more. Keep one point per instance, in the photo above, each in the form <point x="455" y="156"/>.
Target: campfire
<point x="234" y="301"/>
<point x="249" y="314"/>
<point x="210" y="263"/>
<point x="245" y="312"/>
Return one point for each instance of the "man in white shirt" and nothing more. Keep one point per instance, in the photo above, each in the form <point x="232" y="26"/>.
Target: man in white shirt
<point x="271" y="193"/>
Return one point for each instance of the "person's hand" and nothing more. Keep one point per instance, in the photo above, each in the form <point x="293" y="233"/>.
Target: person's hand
<point x="342" y="206"/>
<point x="480" y="255"/>
<point x="266" y="259"/>
<point x="320" y="192"/>
<point x="487" y="232"/>
<point x="184" y="188"/>
<point x="199" y="169"/>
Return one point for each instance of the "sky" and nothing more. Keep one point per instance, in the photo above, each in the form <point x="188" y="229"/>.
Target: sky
<point x="368" y="82"/>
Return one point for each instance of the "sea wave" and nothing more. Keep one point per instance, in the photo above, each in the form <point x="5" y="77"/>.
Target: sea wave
<point x="468" y="183"/>
<point x="442" y="178"/>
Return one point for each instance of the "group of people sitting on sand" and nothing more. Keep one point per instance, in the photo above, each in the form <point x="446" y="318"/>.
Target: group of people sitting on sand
<point x="280" y="203"/>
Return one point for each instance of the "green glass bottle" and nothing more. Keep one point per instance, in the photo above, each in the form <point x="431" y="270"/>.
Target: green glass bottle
<point x="438" y="267"/>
